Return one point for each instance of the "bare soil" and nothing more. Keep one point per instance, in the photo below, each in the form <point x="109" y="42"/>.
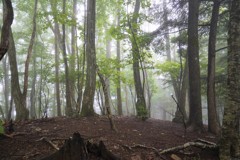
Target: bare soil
<point x="135" y="139"/>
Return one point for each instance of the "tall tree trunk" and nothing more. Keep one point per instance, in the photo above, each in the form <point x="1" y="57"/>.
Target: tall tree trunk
<point x="72" y="62"/>
<point x="81" y="73"/>
<point x="57" y="87"/>
<point x="213" y="123"/>
<point x="141" y="103"/>
<point x="230" y="140"/>
<point x="195" y="116"/>
<point x="57" y="46"/>
<point x="89" y="92"/>
<point x="119" y="95"/>
<point x="68" y="95"/>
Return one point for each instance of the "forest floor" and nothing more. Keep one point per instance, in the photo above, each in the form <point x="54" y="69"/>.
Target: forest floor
<point x="135" y="139"/>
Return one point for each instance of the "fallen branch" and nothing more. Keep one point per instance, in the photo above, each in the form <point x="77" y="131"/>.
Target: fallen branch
<point x="198" y="143"/>
<point x="49" y="142"/>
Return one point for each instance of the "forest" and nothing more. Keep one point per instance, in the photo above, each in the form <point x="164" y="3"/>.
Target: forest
<point x="147" y="66"/>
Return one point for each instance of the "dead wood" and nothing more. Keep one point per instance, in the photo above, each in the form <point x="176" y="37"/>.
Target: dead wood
<point x="3" y="135"/>
<point x="76" y="148"/>
<point x="203" y="144"/>
<point x="45" y="139"/>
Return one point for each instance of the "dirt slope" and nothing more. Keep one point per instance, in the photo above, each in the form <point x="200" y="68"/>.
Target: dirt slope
<point x="135" y="139"/>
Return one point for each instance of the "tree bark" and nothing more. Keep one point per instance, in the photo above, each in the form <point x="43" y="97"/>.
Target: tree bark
<point x="230" y="140"/>
<point x="89" y="92"/>
<point x="213" y="123"/>
<point x="195" y="115"/>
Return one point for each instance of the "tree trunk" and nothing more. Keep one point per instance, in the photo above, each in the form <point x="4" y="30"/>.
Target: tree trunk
<point x="89" y="92"/>
<point x="230" y="140"/>
<point x="20" y="102"/>
<point x="57" y="46"/>
<point x="141" y="103"/>
<point x="7" y="22"/>
<point x="57" y="87"/>
<point x="106" y="98"/>
<point x="107" y="81"/>
<point x="33" y="91"/>
<point x="81" y="73"/>
<point x="119" y="95"/>
<point x="40" y="91"/>
<point x="68" y="95"/>
<point x="6" y="86"/>
<point x="72" y="61"/>
<point x="195" y="116"/>
<point x="213" y="123"/>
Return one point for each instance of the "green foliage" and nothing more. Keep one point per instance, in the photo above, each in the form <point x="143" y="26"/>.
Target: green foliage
<point x="169" y="68"/>
<point x="116" y="33"/>
<point x="107" y="67"/>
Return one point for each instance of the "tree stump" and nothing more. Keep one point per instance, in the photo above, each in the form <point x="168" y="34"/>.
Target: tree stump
<point x="76" y="148"/>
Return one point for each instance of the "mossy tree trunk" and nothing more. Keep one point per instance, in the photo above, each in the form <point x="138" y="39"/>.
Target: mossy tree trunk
<point x="229" y="144"/>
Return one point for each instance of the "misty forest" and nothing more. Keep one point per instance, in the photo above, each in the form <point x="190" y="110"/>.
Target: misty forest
<point x="140" y="79"/>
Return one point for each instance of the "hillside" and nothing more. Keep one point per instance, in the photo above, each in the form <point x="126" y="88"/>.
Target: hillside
<point x="135" y="139"/>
